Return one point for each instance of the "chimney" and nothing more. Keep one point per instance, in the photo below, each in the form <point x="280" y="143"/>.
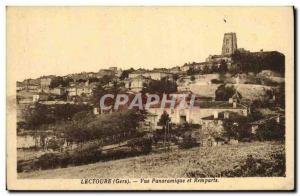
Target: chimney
<point x="216" y="114"/>
<point x="226" y="115"/>
<point x="245" y="112"/>
<point x="230" y="100"/>
<point x="237" y="80"/>
<point x="278" y="119"/>
<point x="213" y="98"/>
<point x="234" y="104"/>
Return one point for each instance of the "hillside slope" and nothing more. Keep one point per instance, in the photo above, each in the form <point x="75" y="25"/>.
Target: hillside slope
<point x="207" y="160"/>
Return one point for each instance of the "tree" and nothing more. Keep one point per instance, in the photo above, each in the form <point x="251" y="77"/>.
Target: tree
<point x="67" y="111"/>
<point x="115" y="88"/>
<point x="271" y="130"/>
<point x="188" y="141"/>
<point x="190" y="71"/>
<point x="38" y="116"/>
<point x="53" y="144"/>
<point x="236" y="127"/>
<point x="98" y="92"/>
<point x="126" y="73"/>
<point x="215" y="68"/>
<point x="223" y="67"/>
<point x="43" y="115"/>
<point x="193" y="78"/>
<point x="280" y="96"/>
<point x="216" y="81"/>
<point x="117" y="126"/>
<point x="164" y="119"/>
<point x="175" y="77"/>
<point x="160" y="87"/>
<point x="93" y="79"/>
<point x="249" y="62"/>
<point x="81" y="80"/>
<point x="206" y="70"/>
<point x="223" y="92"/>
<point x="60" y="81"/>
<point x="57" y="81"/>
<point x="106" y="79"/>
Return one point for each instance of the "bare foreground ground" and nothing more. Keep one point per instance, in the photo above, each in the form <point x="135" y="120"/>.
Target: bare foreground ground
<point x="169" y="164"/>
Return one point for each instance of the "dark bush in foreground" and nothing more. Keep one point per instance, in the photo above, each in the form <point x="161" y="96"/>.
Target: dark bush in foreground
<point x="27" y="165"/>
<point x="48" y="161"/>
<point x="251" y="167"/>
<point x="89" y="153"/>
<point x="188" y="142"/>
<point x="86" y="154"/>
<point x="144" y="145"/>
<point x="254" y="167"/>
<point x="271" y="131"/>
<point x="216" y="81"/>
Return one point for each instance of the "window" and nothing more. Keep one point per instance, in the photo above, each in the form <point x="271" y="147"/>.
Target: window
<point x="227" y="41"/>
<point x="227" y="49"/>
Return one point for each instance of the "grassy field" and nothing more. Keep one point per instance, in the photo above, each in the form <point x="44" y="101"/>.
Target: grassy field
<point x="207" y="160"/>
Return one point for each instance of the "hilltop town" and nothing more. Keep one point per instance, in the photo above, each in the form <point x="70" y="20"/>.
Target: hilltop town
<point x="240" y="96"/>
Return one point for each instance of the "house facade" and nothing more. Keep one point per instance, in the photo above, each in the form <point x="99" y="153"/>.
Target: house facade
<point x="197" y="114"/>
<point x="58" y="91"/>
<point x="137" y="83"/>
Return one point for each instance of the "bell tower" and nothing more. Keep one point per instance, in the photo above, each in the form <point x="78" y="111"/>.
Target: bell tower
<point x="229" y="44"/>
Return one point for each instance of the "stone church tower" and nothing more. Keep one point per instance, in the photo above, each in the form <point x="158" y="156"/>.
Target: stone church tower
<point x="229" y="44"/>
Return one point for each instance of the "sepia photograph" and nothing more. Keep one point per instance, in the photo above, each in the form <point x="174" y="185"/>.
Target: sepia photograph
<point x="150" y="98"/>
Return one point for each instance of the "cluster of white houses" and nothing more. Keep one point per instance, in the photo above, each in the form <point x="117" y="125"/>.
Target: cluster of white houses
<point x="138" y="79"/>
<point x="40" y="89"/>
<point x="210" y="114"/>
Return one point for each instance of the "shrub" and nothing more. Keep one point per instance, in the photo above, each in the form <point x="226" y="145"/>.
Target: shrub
<point x="216" y="81"/>
<point x="223" y="93"/>
<point x="193" y="78"/>
<point x="119" y="154"/>
<point x="188" y="141"/>
<point x="255" y="167"/>
<point x="27" y="165"/>
<point x="64" y="160"/>
<point x="237" y="127"/>
<point x="271" y="130"/>
<point x="89" y="153"/>
<point x="53" y="144"/>
<point x="142" y="144"/>
<point x="48" y="161"/>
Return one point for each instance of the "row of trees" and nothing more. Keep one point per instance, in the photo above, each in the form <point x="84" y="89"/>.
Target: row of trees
<point x="42" y="114"/>
<point x="64" y="82"/>
<point x="243" y="62"/>
<point x="256" y="62"/>
<point x="206" y="69"/>
<point x="160" y="87"/>
<point x="116" y="126"/>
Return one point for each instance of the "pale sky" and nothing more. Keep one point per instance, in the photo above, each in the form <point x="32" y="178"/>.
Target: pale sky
<point x="63" y="40"/>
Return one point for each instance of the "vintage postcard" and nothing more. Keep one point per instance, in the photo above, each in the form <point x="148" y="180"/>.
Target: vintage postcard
<point x="150" y="98"/>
